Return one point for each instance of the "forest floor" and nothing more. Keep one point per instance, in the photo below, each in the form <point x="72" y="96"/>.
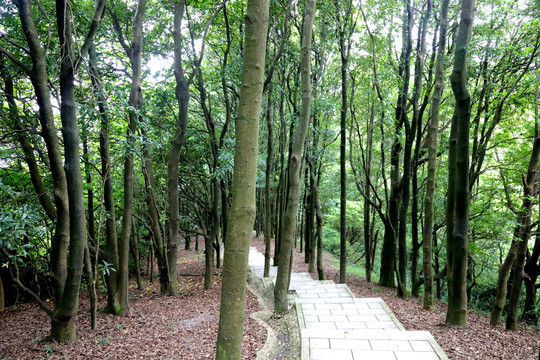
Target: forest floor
<point x="158" y="327"/>
<point x="479" y="340"/>
<point x="185" y="327"/>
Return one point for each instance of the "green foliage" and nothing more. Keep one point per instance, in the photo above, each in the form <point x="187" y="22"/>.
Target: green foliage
<point x="483" y="296"/>
<point x="331" y="241"/>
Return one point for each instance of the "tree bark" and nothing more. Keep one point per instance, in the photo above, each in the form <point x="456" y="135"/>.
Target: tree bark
<point x="267" y="187"/>
<point x="182" y="96"/>
<point x="297" y="150"/>
<point x="2" y="295"/>
<point x="122" y="305"/>
<point x="502" y="281"/>
<point x="238" y="238"/>
<point x="160" y="248"/>
<point x="111" y="238"/>
<point x="344" y="49"/>
<point x="418" y="113"/>
<point x="532" y="267"/>
<point x="458" y="175"/>
<point x="410" y="133"/>
<point x="431" y="142"/>
<point x="135" y="253"/>
<point x="40" y="78"/>
<point x="523" y="230"/>
<point x="65" y="315"/>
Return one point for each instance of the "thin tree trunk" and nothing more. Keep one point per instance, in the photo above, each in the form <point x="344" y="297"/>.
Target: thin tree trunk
<point x="418" y="112"/>
<point x="410" y="133"/>
<point x="458" y="176"/>
<point x="532" y="271"/>
<point x="2" y="295"/>
<point x="431" y="142"/>
<point x="319" y="234"/>
<point x="160" y="249"/>
<point x="532" y="267"/>
<point x="233" y="295"/>
<point x="344" y="51"/>
<point x="182" y="96"/>
<point x="368" y="229"/>
<point x="135" y="254"/>
<point x="111" y="238"/>
<point x="282" y="185"/>
<point x="502" y="282"/>
<point x="267" y="188"/>
<point x="214" y="229"/>
<point x="297" y="150"/>
<point x="522" y="234"/>
<point x="91" y="288"/>
<point x="122" y="305"/>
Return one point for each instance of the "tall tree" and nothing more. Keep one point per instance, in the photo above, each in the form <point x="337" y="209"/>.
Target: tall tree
<point x="233" y="294"/>
<point x="69" y="242"/>
<point x="457" y="212"/>
<point x="295" y="158"/>
<point x="402" y="186"/>
<point x="182" y="96"/>
<point x="134" y="51"/>
<point x="431" y="142"/>
<point x="346" y="28"/>
<point x="523" y="232"/>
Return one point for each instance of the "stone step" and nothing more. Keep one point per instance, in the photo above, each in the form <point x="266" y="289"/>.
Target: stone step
<point x="335" y="325"/>
<point x="370" y="344"/>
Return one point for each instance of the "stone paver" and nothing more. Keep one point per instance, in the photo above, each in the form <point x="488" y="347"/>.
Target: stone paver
<point x="335" y="325"/>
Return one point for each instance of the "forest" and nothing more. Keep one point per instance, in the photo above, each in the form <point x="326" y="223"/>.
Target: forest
<point x="402" y="137"/>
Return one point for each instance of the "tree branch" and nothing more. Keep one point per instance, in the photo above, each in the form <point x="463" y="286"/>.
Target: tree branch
<point x="17" y="281"/>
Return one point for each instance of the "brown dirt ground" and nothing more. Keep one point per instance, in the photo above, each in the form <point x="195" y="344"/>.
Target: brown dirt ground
<point x="479" y="340"/>
<point x="158" y="327"/>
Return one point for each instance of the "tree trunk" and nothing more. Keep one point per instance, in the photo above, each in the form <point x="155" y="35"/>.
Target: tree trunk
<point x="135" y="254"/>
<point x="39" y="78"/>
<point x="344" y="51"/>
<point x="310" y="219"/>
<point x="182" y="96"/>
<point x="111" y="238"/>
<point x="523" y="230"/>
<point x="502" y="282"/>
<point x="65" y="315"/>
<point x="532" y="271"/>
<point x="297" y="150"/>
<point x="238" y="238"/>
<point x="91" y="234"/>
<point x="458" y="176"/>
<point x="2" y="295"/>
<point x="267" y="187"/>
<point x="410" y="133"/>
<point x="532" y="267"/>
<point x="282" y="185"/>
<point x="368" y="229"/>
<point x="160" y="249"/>
<point x="431" y="143"/>
<point x="91" y="288"/>
<point x="122" y="306"/>
<point x="209" y="249"/>
<point x="319" y="234"/>
<point x="418" y="113"/>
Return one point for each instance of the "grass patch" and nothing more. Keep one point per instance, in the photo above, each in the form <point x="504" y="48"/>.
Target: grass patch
<point x="353" y="269"/>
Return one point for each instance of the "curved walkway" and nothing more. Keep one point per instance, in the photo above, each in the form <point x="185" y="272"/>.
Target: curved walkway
<point x="336" y="325"/>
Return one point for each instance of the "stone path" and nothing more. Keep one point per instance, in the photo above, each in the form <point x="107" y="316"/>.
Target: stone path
<point x="336" y="325"/>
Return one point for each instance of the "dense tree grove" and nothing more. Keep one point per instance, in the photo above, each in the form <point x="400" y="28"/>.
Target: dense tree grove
<point x="402" y="136"/>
